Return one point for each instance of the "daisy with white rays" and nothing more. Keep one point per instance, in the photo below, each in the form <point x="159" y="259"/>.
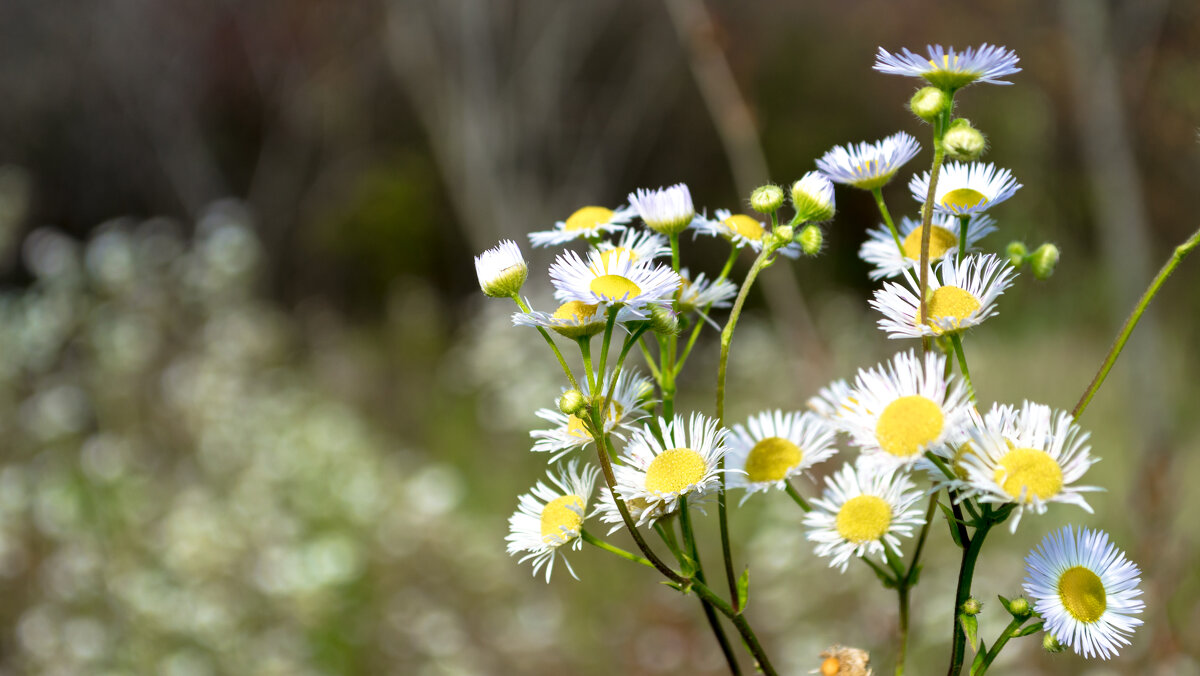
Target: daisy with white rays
<point x="901" y="409"/>
<point x="667" y="211"/>
<point x="551" y="516"/>
<point x="966" y="189"/>
<point x="869" y="166"/>
<point x="615" y="281"/>
<point x="1085" y="590"/>
<point x="683" y="464"/>
<point x="862" y="511"/>
<point x="832" y="401"/>
<point x="569" y="432"/>
<point x="949" y="69"/>
<point x="965" y="297"/>
<point x="573" y="319"/>
<point x="881" y="252"/>
<point x="742" y="230"/>
<point x="776" y="447"/>
<point x="1029" y="457"/>
<point x="586" y="223"/>
<point x="699" y="293"/>
<point x="643" y="246"/>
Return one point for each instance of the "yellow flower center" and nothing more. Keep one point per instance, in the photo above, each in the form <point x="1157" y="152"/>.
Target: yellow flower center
<point x="1030" y="471"/>
<point x="864" y="518"/>
<point x="746" y="226"/>
<point x="675" y="470"/>
<point x="941" y="240"/>
<point x="908" y="424"/>
<point x="559" y="514"/>
<point x="614" y="287"/>
<point x="958" y="462"/>
<point x="771" y="458"/>
<point x="608" y="256"/>
<point x="576" y="428"/>
<point x="576" y="311"/>
<point x="587" y="218"/>
<point x="963" y="198"/>
<point x="1082" y="593"/>
<point x="950" y="302"/>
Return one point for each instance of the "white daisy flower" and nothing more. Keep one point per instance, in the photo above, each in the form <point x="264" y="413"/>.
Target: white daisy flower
<point x="1085" y="590"/>
<point x="965" y="297"/>
<point x="741" y="230"/>
<point x="551" y="516"/>
<point x="951" y="70"/>
<point x="587" y="223"/>
<point x="569" y="432"/>
<point x="698" y="293"/>
<point x="869" y="165"/>
<point x="642" y="246"/>
<point x="903" y="408"/>
<point x="775" y="448"/>
<point x="881" y="251"/>
<point x="966" y="189"/>
<point x="616" y="280"/>
<point x="573" y="319"/>
<point x="1029" y="457"/>
<point x="812" y="198"/>
<point x="684" y="463"/>
<point x="640" y="510"/>
<point x="667" y="211"/>
<point x="501" y="270"/>
<point x="833" y="401"/>
<point x="862" y="511"/>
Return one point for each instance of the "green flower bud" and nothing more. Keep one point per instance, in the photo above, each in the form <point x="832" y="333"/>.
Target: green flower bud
<point x="964" y="142"/>
<point x="766" y="199"/>
<point x="972" y="606"/>
<point x="785" y="234"/>
<point x="813" y="199"/>
<point x="1051" y="644"/>
<point x="663" y="321"/>
<point x="928" y="103"/>
<point x="501" y="270"/>
<point x="810" y="240"/>
<point x="1016" y="253"/>
<point x="572" y="402"/>
<point x="1043" y="260"/>
<point x="1019" y="608"/>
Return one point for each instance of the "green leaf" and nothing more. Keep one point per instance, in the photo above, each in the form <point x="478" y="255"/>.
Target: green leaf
<point x="951" y="521"/>
<point x="743" y="589"/>
<point x="980" y="655"/>
<point x="688" y="564"/>
<point x="970" y="625"/>
<point x="916" y="575"/>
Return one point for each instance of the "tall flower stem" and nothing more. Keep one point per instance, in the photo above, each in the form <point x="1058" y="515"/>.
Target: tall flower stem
<point x="956" y="340"/>
<point x="687" y="350"/>
<point x="739" y="621"/>
<point x="887" y="218"/>
<point x="549" y="341"/>
<point x="593" y="540"/>
<point x="791" y="490"/>
<point x="1177" y="256"/>
<point x="689" y="541"/>
<point x="906" y="579"/>
<point x="722" y="366"/>
<point x="939" y="154"/>
<point x="966" y="573"/>
<point x="1009" y="632"/>
<point x="963" y="223"/>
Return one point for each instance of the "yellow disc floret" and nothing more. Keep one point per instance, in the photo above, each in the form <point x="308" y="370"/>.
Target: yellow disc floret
<point x="1082" y="593"/>
<point x="1029" y="471"/>
<point x="941" y="240"/>
<point x="864" y="518"/>
<point x="908" y="424"/>
<point x="587" y="218"/>
<point x="963" y="198"/>
<point x="561" y="519"/>
<point x="771" y="458"/>
<point x="614" y="287"/>
<point x="950" y="303"/>
<point x="576" y="311"/>
<point x="746" y="226"/>
<point x="674" y="470"/>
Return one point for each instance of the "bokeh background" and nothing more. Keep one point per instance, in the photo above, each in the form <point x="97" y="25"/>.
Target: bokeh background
<point x="256" y="418"/>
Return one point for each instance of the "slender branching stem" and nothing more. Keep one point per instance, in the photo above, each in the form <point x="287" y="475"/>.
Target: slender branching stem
<point x="689" y="541"/>
<point x="963" y="223"/>
<point x="739" y="621"/>
<point x="887" y="218"/>
<point x="593" y="540"/>
<point x="1001" y="640"/>
<point x="549" y="341"/>
<point x="956" y="340"/>
<point x="966" y="573"/>
<point x="791" y="490"/>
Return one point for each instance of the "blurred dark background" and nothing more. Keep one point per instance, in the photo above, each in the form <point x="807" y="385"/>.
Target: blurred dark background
<point x="258" y="419"/>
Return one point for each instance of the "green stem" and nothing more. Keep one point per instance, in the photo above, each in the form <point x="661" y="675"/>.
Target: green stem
<point x="963" y="222"/>
<point x="687" y="350"/>
<point x="966" y="572"/>
<point x="608" y="331"/>
<point x="612" y="385"/>
<point x="887" y="218"/>
<point x="549" y="341"/>
<point x="791" y="490"/>
<point x="674" y="237"/>
<point x="722" y="367"/>
<point x="962" y="363"/>
<point x="904" y="584"/>
<point x="742" y="625"/>
<point x="667" y="383"/>
<point x="902" y="592"/>
<point x="650" y="360"/>
<point x="593" y="540"/>
<point x="689" y="541"/>
<point x="912" y="566"/>
<point x="939" y="154"/>
<point x="585" y="349"/>
<point x="1001" y="640"/>
<point x="1179" y="254"/>
<point x="667" y="533"/>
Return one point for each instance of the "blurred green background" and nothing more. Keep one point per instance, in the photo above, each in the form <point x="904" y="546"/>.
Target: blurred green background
<point x="256" y="417"/>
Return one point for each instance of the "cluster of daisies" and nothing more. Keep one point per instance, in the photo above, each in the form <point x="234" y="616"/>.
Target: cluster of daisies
<point x="915" y="425"/>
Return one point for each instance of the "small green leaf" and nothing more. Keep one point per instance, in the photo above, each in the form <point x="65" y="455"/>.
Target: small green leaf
<point x="1027" y="630"/>
<point x="970" y="625"/>
<point x="980" y="655"/>
<point x="951" y="521"/>
<point x="743" y="588"/>
<point x="688" y="564"/>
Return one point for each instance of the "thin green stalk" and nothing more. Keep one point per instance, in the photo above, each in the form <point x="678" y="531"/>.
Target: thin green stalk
<point x="963" y="223"/>
<point x="689" y="541"/>
<point x="549" y="341"/>
<point x="667" y="383"/>
<point x="593" y="540"/>
<point x="905" y="582"/>
<point x="612" y="385"/>
<point x="1179" y="254"/>
<point x="687" y="350"/>
<point x="962" y="363"/>
<point x="966" y="573"/>
<point x="902" y="591"/>
<point x="667" y="533"/>
<point x="939" y="154"/>
<point x="887" y="218"/>
<point x="791" y="490"/>
<point x="912" y="565"/>
<point x="722" y="366"/>
<point x="649" y="359"/>
<point x="1001" y="640"/>
<point x="608" y="331"/>
<point x="739" y="621"/>
<point x="674" y="237"/>
<point x="585" y="349"/>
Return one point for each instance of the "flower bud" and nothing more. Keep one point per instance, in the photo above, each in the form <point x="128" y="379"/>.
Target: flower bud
<point x="1016" y="253"/>
<point x="785" y="233"/>
<point x="964" y="142"/>
<point x="572" y="402"/>
<point x="766" y="199"/>
<point x="663" y="321"/>
<point x="501" y="270"/>
<point x="812" y="197"/>
<point x="810" y="240"/>
<point x="1043" y="260"/>
<point x="972" y="606"/>
<point x="928" y="103"/>
<point x="1051" y="644"/>
<point x="1019" y="608"/>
